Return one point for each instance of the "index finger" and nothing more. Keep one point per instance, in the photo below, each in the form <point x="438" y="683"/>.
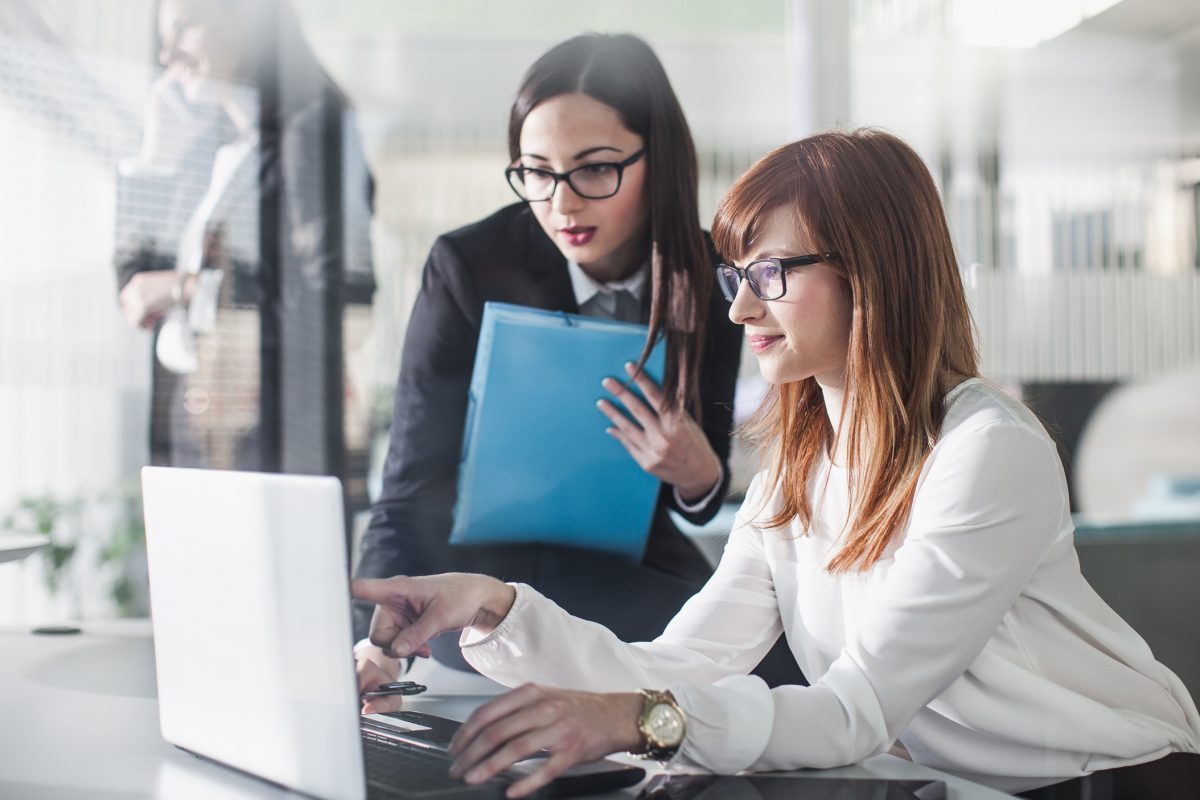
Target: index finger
<point x="372" y="590"/>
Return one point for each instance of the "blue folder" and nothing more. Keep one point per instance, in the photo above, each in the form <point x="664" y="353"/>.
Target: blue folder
<point x="537" y="465"/>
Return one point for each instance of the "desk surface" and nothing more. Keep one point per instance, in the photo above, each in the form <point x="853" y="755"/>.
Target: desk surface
<point x="79" y="714"/>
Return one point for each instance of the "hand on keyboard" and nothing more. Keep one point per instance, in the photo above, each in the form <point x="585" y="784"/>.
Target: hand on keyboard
<point x="573" y="726"/>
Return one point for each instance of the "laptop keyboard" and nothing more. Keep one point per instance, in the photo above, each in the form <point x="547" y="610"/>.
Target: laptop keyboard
<point x="398" y="770"/>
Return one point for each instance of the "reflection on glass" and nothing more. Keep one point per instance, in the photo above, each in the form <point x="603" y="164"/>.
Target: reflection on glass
<point x="242" y="235"/>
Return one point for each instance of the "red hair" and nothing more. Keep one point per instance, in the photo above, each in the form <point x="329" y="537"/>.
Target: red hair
<point x="868" y="197"/>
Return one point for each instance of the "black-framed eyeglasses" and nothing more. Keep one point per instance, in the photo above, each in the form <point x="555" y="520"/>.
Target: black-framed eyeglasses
<point x="594" y="181"/>
<point x="766" y="276"/>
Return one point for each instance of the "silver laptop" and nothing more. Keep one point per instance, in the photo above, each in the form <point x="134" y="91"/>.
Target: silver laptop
<point x="250" y="599"/>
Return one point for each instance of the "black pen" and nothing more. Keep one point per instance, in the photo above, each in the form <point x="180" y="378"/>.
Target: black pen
<point x="401" y="688"/>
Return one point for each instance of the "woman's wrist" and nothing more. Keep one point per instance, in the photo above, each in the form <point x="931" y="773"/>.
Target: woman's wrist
<point x="189" y="288"/>
<point x="177" y="281"/>
<point x="628" y="707"/>
<point x="697" y="490"/>
<point x="497" y="602"/>
<point x="182" y="288"/>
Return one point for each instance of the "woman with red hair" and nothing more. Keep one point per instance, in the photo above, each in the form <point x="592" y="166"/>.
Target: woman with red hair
<point x="910" y="535"/>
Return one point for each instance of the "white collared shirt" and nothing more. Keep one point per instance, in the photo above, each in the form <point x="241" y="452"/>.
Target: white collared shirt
<point x="974" y="640"/>
<point x="586" y="287"/>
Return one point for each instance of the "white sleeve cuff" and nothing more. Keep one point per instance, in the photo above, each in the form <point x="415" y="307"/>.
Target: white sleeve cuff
<point x="202" y="308"/>
<point x="698" y="506"/>
<point x="473" y="638"/>
<point x="728" y="723"/>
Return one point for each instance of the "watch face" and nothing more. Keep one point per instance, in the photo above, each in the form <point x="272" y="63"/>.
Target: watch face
<point x="665" y="725"/>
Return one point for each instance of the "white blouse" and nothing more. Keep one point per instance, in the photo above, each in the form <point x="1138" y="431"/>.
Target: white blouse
<point x="974" y="641"/>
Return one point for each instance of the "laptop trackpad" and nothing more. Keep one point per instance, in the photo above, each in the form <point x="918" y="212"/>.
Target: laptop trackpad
<point x="424" y="730"/>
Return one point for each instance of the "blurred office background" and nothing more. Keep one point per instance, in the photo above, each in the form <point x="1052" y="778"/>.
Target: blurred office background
<point x="1064" y="134"/>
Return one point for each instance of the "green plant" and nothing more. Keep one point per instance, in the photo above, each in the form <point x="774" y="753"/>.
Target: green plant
<point x="127" y="539"/>
<point x="51" y="517"/>
<point x="121" y="540"/>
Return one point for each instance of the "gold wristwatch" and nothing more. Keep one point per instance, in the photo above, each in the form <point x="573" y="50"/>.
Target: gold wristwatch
<point x="662" y="724"/>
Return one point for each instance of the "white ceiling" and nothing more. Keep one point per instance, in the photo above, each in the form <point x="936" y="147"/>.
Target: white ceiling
<point x="1156" y="19"/>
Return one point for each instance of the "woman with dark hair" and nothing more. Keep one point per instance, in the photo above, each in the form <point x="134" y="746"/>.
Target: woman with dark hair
<point x="910" y="535"/>
<point x="604" y="164"/>
<point x="242" y="232"/>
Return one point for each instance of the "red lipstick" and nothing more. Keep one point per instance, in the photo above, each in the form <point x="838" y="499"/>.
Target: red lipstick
<point x="761" y="343"/>
<point x="578" y="235"/>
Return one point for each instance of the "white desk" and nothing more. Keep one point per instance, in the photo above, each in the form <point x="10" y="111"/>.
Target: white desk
<point x="79" y="717"/>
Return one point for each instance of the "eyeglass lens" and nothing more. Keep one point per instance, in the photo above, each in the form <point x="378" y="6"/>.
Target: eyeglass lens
<point x="766" y="280"/>
<point x="593" y="181"/>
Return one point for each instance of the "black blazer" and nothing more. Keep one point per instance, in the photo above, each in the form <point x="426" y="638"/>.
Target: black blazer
<point x="506" y="258"/>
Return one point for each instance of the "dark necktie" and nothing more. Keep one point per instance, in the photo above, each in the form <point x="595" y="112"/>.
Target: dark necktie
<point x="619" y="304"/>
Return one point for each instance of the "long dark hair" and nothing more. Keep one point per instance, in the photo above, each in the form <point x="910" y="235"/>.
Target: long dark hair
<point x="868" y="197"/>
<point x="622" y="72"/>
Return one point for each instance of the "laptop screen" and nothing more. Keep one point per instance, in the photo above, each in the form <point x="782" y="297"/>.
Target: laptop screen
<point x="249" y="594"/>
